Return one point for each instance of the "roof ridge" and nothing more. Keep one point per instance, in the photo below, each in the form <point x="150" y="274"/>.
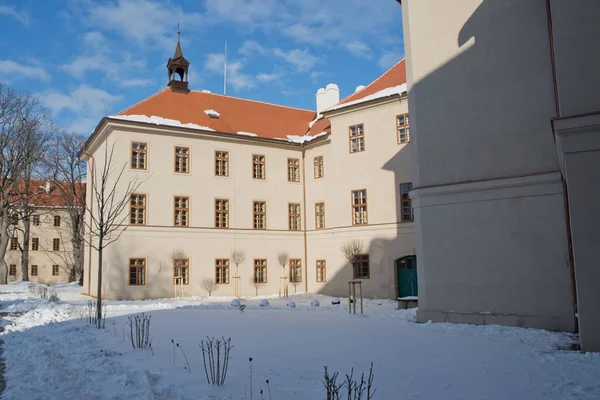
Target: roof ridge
<point x="142" y="101"/>
<point x="254" y="101"/>
<point x="367" y="86"/>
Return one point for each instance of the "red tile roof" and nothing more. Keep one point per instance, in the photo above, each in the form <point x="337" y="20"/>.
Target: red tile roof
<point x="236" y="115"/>
<point x="395" y="76"/>
<point x="39" y="197"/>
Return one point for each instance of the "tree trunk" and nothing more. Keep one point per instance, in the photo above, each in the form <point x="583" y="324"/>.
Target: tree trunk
<point x="25" y="249"/>
<point x="4" y="239"/>
<point x="99" y="292"/>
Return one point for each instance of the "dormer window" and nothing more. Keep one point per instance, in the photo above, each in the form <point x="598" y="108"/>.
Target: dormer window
<point x="212" y="113"/>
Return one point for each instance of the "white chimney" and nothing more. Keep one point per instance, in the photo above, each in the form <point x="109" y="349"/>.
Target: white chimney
<point x="327" y="97"/>
<point x="47" y="188"/>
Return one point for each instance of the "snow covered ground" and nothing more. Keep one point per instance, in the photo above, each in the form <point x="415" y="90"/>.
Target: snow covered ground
<point x="52" y="353"/>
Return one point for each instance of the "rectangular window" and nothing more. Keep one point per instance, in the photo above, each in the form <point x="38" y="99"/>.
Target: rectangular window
<point x="137" y="272"/>
<point x="361" y="267"/>
<point x="222" y="271"/>
<point x="221" y="163"/>
<point x="321" y="271"/>
<point x="260" y="271"/>
<point x="12" y="270"/>
<point x="407" y="213"/>
<point x="57" y="220"/>
<point x="221" y="213"/>
<point x="260" y="214"/>
<point x="35" y="244"/>
<point x="137" y="209"/>
<point x="294" y="216"/>
<point x="14" y="243"/>
<point x="182" y="211"/>
<point x="319" y="171"/>
<point x="293" y="170"/>
<point x="181" y="271"/>
<point x="295" y="270"/>
<point x="319" y="215"/>
<point x="56" y="244"/>
<point x="182" y="159"/>
<point x="139" y="155"/>
<point x="403" y="128"/>
<point x="34" y="270"/>
<point x="258" y="167"/>
<point x="36" y="220"/>
<point x="359" y="207"/>
<point x="357" y="138"/>
<point x="55" y="270"/>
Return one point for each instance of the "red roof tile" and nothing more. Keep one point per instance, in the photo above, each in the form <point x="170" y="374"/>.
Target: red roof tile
<point x="39" y="197"/>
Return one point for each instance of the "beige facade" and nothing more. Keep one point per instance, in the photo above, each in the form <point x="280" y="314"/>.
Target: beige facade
<point x="486" y="78"/>
<point x="379" y="169"/>
<point x="51" y="254"/>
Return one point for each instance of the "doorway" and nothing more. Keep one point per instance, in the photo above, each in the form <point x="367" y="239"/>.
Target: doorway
<point x="406" y="268"/>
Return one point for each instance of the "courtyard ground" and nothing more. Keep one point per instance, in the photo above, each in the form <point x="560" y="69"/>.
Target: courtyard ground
<point x="51" y="352"/>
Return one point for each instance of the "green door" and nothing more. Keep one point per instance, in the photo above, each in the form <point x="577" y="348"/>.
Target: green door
<point x="407" y="276"/>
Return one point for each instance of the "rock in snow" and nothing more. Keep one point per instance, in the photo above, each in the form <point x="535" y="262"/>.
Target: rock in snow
<point x="264" y="303"/>
<point x="291" y="304"/>
<point x="335" y="301"/>
<point x="314" y="303"/>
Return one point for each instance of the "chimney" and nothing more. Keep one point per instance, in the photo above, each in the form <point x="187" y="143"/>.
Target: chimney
<point x="327" y="97"/>
<point x="47" y="187"/>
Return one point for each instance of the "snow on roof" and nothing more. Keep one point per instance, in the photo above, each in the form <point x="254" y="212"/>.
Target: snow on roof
<point x="212" y="113"/>
<point x="159" y="121"/>
<point x="305" y="138"/>
<point x="246" y="134"/>
<point x="377" y="95"/>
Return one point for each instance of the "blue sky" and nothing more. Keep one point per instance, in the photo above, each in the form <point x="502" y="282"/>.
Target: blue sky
<point x="87" y="59"/>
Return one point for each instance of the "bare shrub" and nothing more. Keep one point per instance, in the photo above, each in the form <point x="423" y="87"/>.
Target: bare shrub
<point x="208" y="284"/>
<point x="92" y="315"/>
<point x="53" y="296"/>
<point x="139" y="329"/>
<point x="352" y="249"/>
<point x="257" y="285"/>
<point x="356" y="389"/>
<point x="215" y="356"/>
<point x="282" y="259"/>
<point x="238" y="257"/>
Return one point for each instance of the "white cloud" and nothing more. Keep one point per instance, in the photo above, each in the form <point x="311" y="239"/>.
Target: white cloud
<point x="251" y="47"/>
<point x="265" y="77"/>
<point x="388" y="59"/>
<point x="247" y="12"/>
<point x="129" y="83"/>
<point x="20" y="16"/>
<point x="359" y="49"/>
<point x="301" y="59"/>
<point x="236" y="78"/>
<point x="305" y="34"/>
<point x="87" y="104"/>
<point x="11" y="70"/>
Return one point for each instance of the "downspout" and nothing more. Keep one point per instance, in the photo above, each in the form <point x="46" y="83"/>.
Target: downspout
<point x="304" y="217"/>
<point x="563" y="180"/>
<point x="90" y="225"/>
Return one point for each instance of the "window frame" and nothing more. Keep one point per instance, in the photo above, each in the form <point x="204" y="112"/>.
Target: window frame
<point x="297" y="266"/>
<point x="406" y="128"/>
<point x="409" y="200"/>
<point x="129" y="265"/>
<point x="56" y="268"/>
<point x="225" y="212"/>
<point x="177" y="163"/>
<point x="144" y="207"/>
<point x="55" y="244"/>
<point x="12" y="270"/>
<point x="14" y="244"/>
<point x="293" y="165"/>
<point x="184" y="266"/>
<point x="226" y="159"/>
<point x="297" y="215"/>
<point x="35" y="244"/>
<point x="262" y="167"/>
<point x="34" y="267"/>
<point x="265" y="266"/>
<point x="319" y="213"/>
<point x="35" y="220"/>
<point x="321" y="264"/>
<point x="145" y="151"/>
<point x="56" y="222"/>
<point x="353" y="206"/>
<point x="227" y="265"/>
<point x="181" y="210"/>
<point x="359" y="263"/>
<point x="358" y="136"/>
<point x="259" y="213"/>
<point x="318" y="165"/>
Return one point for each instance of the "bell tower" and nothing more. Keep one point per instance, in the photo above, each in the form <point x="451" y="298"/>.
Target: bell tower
<point x="178" y="67"/>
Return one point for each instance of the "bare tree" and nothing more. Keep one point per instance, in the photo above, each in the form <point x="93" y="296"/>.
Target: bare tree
<point x="352" y="249"/>
<point x="238" y="257"/>
<point x="282" y="259"/>
<point x="24" y="122"/>
<point x="68" y="174"/>
<point x="256" y="283"/>
<point x="208" y="284"/>
<point x="107" y="209"/>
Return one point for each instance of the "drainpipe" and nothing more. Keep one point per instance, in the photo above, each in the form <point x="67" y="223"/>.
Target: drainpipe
<point x="304" y="217"/>
<point x="564" y="182"/>
<point x="90" y="225"/>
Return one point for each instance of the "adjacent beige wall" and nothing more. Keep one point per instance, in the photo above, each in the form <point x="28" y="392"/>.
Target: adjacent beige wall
<point x="46" y="257"/>
<point x="380" y="169"/>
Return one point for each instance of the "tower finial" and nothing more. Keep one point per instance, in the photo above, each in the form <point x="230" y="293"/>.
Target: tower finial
<point x="178" y="33"/>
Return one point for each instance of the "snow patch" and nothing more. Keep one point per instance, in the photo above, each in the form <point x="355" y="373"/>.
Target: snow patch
<point x="212" y="113"/>
<point x="235" y="303"/>
<point x="246" y="133"/>
<point x="314" y="303"/>
<point x="264" y="303"/>
<point x="305" y="138"/>
<point x="291" y="304"/>
<point x="377" y="95"/>
<point x="159" y="121"/>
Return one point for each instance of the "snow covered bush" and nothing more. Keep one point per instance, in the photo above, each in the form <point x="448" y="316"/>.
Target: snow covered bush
<point x="335" y="301"/>
<point x="315" y="303"/>
<point x="264" y="303"/>
<point x="53" y="296"/>
<point x="215" y="356"/>
<point x="291" y="304"/>
<point x="236" y="303"/>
